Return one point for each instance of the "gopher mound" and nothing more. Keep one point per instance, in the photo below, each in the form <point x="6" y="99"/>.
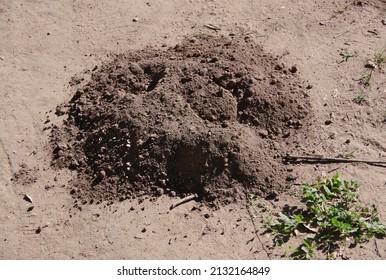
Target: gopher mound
<point x="210" y="116"/>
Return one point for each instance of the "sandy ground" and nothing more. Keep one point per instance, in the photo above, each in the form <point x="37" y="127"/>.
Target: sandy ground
<point x="45" y="43"/>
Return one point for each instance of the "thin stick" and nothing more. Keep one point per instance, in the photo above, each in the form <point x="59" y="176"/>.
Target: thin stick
<point x="330" y="160"/>
<point x="213" y="27"/>
<point x="184" y="200"/>
<point x="336" y="36"/>
<point x="249" y="206"/>
<point x="376" y="248"/>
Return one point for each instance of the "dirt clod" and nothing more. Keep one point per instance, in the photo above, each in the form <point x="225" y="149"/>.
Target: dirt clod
<point x="38" y="230"/>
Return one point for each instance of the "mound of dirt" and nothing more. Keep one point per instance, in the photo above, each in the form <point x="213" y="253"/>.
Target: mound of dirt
<point x="210" y="116"/>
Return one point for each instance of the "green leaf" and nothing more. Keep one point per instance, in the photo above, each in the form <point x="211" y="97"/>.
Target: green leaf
<point x="331" y="207"/>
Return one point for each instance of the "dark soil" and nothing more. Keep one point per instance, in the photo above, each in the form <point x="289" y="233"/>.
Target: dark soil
<point x="25" y="176"/>
<point x="212" y="116"/>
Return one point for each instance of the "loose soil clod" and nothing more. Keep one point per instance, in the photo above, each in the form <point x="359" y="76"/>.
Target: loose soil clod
<point x="211" y="116"/>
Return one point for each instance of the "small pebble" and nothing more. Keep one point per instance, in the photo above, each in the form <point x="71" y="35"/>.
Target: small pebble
<point x="293" y="69"/>
<point x="135" y="68"/>
<point x="28" y="198"/>
<point x="38" y="230"/>
<point x="172" y="194"/>
<point x="101" y="174"/>
<point x="328" y="122"/>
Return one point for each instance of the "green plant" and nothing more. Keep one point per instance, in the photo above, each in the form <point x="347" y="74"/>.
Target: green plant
<point x="207" y="34"/>
<point x="365" y="80"/>
<point x="256" y="198"/>
<point x="275" y="26"/>
<point x="331" y="219"/>
<point x="360" y="98"/>
<point x="377" y="60"/>
<point x="380" y="57"/>
<point x="346" y="55"/>
<point x="342" y="9"/>
<point x="347" y="154"/>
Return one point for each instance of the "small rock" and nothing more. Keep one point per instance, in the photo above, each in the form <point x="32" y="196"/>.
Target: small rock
<point x="160" y="191"/>
<point x="286" y="134"/>
<point x="194" y="208"/>
<point x="28" y="198"/>
<point x="293" y="69"/>
<point x="384" y="21"/>
<point x="61" y="110"/>
<point x="38" y="230"/>
<point x="328" y="122"/>
<point x="135" y="68"/>
<point x="371" y="64"/>
<point x="162" y="182"/>
<point x="272" y="195"/>
<point x="279" y="67"/>
<point x="102" y="174"/>
<point x="172" y="194"/>
<point x="225" y="124"/>
<point x="153" y="136"/>
<point x="74" y="164"/>
<point x="291" y="178"/>
<point x="30" y="208"/>
<point x="143" y="230"/>
<point x="263" y="133"/>
<point x="206" y="216"/>
<point x="333" y="135"/>
<point x="249" y="92"/>
<point x="135" y="19"/>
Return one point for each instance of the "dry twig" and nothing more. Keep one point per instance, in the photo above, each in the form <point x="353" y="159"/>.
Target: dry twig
<point x="309" y="159"/>
<point x="184" y="200"/>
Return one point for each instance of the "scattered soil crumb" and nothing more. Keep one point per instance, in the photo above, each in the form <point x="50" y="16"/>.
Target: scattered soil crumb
<point x="25" y="176"/>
